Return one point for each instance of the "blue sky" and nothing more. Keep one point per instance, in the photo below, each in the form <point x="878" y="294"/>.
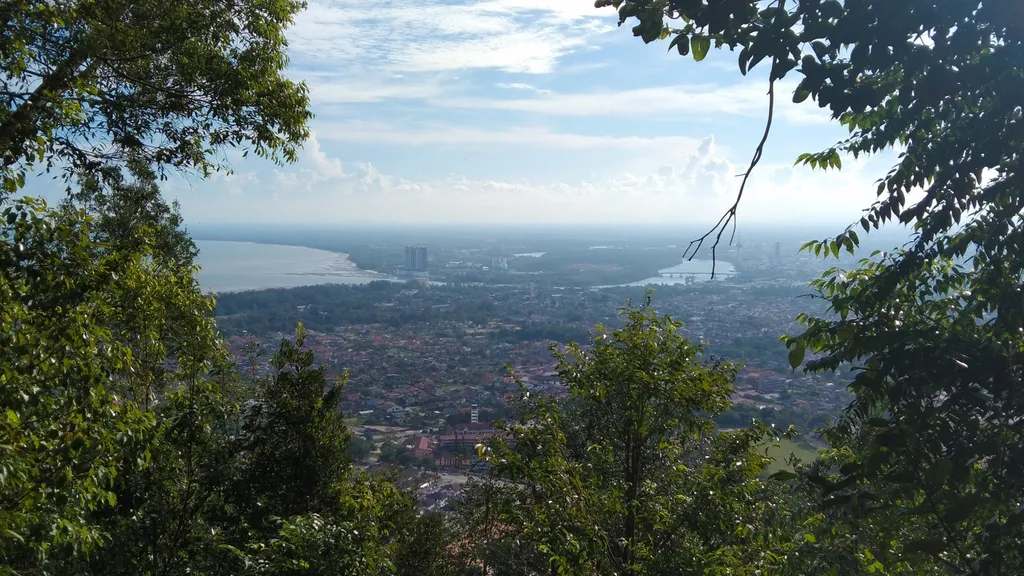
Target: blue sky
<point x="525" y="111"/>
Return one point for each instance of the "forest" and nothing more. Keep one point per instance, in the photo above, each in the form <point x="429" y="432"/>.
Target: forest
<point x="131" y="444"/>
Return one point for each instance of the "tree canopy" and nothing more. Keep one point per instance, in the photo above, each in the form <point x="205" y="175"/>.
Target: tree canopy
<point x="628" y="475"/>
<point x="85" y="83"/>
<point x="934" y="330"/>
<point x="109" y="358"/>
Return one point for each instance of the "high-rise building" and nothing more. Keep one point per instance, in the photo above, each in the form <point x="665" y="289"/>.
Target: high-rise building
<point x="499" y="263"/>
<point x="421" y="258"/>
<point x="778" y="251"/>
<point x="474" y="414"/>
<point x="416" y="258"/>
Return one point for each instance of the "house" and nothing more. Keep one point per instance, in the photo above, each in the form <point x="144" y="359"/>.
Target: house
<point x="422" y="447"/>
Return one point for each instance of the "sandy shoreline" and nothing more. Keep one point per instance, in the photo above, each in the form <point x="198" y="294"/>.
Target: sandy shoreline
<point x="342" y="267"/>
<point x="253" y="266"/>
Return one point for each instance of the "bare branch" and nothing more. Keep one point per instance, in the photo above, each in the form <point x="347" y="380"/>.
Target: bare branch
<point x="729" y="217"/>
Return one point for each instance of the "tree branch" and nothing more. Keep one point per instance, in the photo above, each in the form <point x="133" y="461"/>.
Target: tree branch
<point x="21" y="124"/>
<point x="730" y="215"/>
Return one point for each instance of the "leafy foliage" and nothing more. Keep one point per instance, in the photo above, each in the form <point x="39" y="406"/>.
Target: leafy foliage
<point x="118" y="411"/>
<point x="88" y="332"/>
<point x="86" y="83"/>
<point x="927" y="451"/>
<point x="934" y="427"/>
<point x="628" y="475"/>
<point x="295" y="440"/>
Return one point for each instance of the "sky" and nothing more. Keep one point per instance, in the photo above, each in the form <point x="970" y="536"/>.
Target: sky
<point x="525" y="111"/>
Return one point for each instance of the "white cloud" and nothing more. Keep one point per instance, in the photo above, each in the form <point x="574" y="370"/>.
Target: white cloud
<point x="522" y="86"/>
<point x="330" y="90"/>
<point x="528" y="36"/>
<point x="696" y="190"/>
<point x="704" y="172"/>
<point x="520" y="50"/>
<point x="235" y="183"/>
<point x="326" y="167"/>
<point x="314" y="166"/>
<point x="360" y="51"/>
<point x="700" y="100"/>
<point x="441" y="134"/>
<point x="366" y="51"/>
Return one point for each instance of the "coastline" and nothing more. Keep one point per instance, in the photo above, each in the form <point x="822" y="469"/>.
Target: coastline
<point x="224" y="270"/>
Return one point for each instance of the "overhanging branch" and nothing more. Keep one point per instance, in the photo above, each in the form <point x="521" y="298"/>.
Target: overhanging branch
<point x="729" y="217"/>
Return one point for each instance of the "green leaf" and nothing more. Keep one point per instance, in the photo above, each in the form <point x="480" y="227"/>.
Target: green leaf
<point x="796" y="355"/>
<point x="681" y="43"/>
<point x="700" y="45"/>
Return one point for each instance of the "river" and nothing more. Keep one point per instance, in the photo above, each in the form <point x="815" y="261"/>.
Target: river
<point x="698" y="270"/>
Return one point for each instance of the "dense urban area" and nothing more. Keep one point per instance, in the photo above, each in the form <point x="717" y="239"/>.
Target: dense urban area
<point x="431" y="365"/>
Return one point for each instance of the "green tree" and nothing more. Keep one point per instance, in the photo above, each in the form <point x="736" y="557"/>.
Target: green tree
<point x="360" y="540"/>
<point x="360" y="448"/>
<point x="629" y="476"/>
<point x="174" y="515"/>
<point x="92" y="338"/>
<point x="87" y="83"/>
<point x="107" y="342"/>
<point x="424" y="546"/>
<point x="929" y="448"/>
<point x="303" y="509"/>
<point x="295" y="439"/>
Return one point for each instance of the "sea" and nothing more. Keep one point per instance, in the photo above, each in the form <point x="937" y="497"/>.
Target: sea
<point x="239" y="266"/>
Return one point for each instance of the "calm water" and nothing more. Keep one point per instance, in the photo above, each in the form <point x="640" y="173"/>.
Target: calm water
<point x="237" y="266"/>
<point x="699" y="270"/>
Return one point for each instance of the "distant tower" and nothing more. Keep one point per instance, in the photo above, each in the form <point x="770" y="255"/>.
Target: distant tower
<point x="739" y="245"/>
<point x="416" y="258"/>
<point x="474" y="414"/>
<point x="778" y="251"/>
